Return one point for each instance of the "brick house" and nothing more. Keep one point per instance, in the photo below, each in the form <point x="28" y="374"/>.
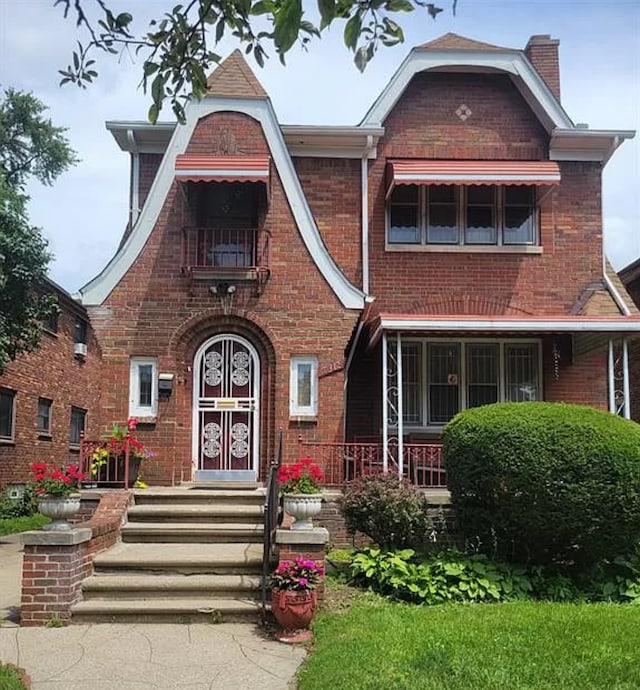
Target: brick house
<point x="48" y="397"/>
<point x="357" y="286"/>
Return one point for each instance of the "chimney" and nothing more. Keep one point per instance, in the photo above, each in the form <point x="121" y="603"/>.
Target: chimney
<point x="542" y="52"/>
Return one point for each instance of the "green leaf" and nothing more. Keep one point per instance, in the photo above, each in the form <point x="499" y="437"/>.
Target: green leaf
<point x="287" y="25"/>
<point x="327" y="10"/>
<point x="153" y="113"/>
<point x="399" y="6"/>
<point x="352" y="31"/>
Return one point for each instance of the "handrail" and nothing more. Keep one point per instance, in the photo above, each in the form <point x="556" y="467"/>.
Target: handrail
<point x="271" y="518"/>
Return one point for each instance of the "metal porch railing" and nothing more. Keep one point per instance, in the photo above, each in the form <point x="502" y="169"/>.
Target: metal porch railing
<point x="114" y="473"/>
<point x="272" y="518"/>
<point x="343" y="462"/>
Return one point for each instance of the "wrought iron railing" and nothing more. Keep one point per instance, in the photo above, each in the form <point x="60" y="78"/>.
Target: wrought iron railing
<point x="113" y="472"/>
<point x="225" y="249"/>
<point x="272" y="517"/>
<point x="342" y="462"/>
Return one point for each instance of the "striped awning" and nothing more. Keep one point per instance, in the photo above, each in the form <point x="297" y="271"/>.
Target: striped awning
<point x="198" y="168"/>
<point x="449" y="172"/>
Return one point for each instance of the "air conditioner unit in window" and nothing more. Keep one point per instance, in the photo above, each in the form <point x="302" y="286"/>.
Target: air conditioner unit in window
<point x="80" y="350"/>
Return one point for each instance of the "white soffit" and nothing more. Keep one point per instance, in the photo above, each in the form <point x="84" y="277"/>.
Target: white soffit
<point x="98" y="289"/>
<point x="527" y="80"/>
<point x="540" y="325"/>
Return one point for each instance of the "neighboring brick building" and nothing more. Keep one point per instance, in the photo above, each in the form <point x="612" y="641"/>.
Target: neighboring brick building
<point x="47" y="397"/>
<point x="630" y="278"/>
<point x="361" y="283"/>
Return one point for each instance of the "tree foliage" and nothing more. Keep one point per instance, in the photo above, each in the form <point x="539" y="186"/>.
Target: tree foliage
<point x="178" y="49"/>
<point x="30" y="146"/>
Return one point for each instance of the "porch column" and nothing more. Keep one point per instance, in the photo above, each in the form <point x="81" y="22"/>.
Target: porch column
<point x="385" y="404"/>
<point x="612" y="379"/>
<point x="625" y="379"/>
<point x="400" y="402"/>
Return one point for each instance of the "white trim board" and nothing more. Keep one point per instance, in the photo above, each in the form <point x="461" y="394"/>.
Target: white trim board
<point x="98" y="289"/>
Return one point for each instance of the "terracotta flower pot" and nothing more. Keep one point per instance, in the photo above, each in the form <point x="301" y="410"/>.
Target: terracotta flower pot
<point x="293" y="610"/>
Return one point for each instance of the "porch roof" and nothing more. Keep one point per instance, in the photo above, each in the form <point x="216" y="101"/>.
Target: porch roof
<point x="466" y="324"/>
<point x="201" y="168"/>
<point x="458" y="172"/>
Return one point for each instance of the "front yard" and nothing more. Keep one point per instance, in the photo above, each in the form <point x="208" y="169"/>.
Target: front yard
<point x="377" y="644"/>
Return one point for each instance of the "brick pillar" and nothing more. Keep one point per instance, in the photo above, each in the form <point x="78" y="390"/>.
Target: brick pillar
<point x="310" y="544"/>
<point x="53" y="568"/>
<point x="542" y="52"/>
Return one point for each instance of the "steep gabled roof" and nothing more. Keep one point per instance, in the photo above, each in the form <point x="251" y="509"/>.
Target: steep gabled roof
<point x="453" y="41"/>
<point x="233" y="78"/>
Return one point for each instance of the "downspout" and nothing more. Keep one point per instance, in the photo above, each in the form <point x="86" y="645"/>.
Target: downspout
<point x="364" y="188"/>
<point x="134" y="211"/>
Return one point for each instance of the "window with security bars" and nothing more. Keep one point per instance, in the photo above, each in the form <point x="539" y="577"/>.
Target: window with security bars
<point x="439" y="379"/>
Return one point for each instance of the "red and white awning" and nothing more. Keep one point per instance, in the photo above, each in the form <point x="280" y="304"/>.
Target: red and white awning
<point x="199" y="168"/>
<point x="450" y="172"/>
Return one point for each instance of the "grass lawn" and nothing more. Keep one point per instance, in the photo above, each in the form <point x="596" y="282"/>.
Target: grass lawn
<point x="22" y="524"/>
<point x="10" y="679"/>
<point x="376" y="644"/>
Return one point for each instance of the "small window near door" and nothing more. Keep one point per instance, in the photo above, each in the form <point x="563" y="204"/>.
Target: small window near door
<point x="78" y="421"/>
<point x="7" y="414"/>
<point x="44" y="415"/>
<point x="143" y="387"/>
<point x="303" y="388"/>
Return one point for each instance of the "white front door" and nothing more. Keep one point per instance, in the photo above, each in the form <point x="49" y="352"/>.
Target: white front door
<point x="226" y="387"/>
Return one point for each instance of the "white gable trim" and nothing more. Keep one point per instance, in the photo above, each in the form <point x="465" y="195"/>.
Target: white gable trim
<point x="528" y="81"/>
<point x="98" y="289"/>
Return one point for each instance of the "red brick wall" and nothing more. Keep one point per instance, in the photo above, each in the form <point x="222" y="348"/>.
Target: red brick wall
<point x="424" y="125"/>
<point x="156" y="311"/>
<point x="55" y="373"/>
<point x="149" y="164"/>
<point x="334" y="191"/>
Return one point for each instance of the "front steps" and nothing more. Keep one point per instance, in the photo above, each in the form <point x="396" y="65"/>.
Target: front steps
<point x="187" y="555"/>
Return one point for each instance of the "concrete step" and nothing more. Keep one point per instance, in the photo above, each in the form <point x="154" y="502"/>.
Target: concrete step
<point x="223" y="486"/>
<point x="179" y="610"/>
<point x="215" y="559"/>
<point x="171" y="586"/>
<point x="192" y="532"/>
<point x="161" y="495"/>
<point x="196" y="512"/>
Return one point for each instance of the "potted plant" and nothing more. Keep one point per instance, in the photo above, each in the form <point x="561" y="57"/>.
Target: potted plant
<point x="109" y="458"/>
<point x="293" y="597"/>
<point x="301" y="491"/>
<point x="57" y="493"/>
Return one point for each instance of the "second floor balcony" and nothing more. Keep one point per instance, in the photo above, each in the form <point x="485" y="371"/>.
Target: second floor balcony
<point x="214" y="253"/>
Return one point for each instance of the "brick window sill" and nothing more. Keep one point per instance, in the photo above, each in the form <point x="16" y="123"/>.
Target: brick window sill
<point x="45" y="436"/>
<point x="464" y="249"/>
<point x="7" y="442"/>
<point x="302" y="419"/>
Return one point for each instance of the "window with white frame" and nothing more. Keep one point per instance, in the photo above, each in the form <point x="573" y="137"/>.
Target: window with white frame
<point x="441" y="378"/>
<point x="143" y="387"/>
<point x="303" y="387"/>
<point x="7" y="414"/>
<point x="43" y="421"/>
<point x="457" y="215"/>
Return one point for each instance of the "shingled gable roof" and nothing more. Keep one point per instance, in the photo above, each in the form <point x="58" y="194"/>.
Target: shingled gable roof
<point x="233" y="78"/>
<point x="453" y="41"/>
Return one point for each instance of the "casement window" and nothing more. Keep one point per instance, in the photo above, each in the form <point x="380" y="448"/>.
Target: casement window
<point x="77" y="427"/>
<point x="143" y="387"/>
<point x="44" y="415"/>
<point x="442" y="378"/>
<point x="303" y="387"/>
<point x="80" y="333"/>
<point x="7" y="414"/>
<point x="456" y="215"/>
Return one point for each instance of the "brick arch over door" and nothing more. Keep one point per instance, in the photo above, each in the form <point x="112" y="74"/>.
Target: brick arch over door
<point x="184" y="344"/>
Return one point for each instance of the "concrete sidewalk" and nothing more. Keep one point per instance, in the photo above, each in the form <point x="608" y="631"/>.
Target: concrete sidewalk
<point x="227" y="656"/>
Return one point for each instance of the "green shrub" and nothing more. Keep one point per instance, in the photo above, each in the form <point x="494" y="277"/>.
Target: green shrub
<point x="11" y="677"/>
<point x="19" y="507"/>
<point x="449" y="577"/>
<point x="545" y="483"/>
<point x="391" y="512"/>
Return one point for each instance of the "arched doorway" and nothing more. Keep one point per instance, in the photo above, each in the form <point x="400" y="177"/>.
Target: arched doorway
<point x="226" y="409"/>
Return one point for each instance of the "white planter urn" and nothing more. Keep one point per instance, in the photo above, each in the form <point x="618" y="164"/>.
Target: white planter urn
<point x="59" y="509"/>
<point x="302" y="507"/>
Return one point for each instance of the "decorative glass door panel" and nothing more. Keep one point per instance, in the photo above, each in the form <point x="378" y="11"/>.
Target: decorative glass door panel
<point x="226" y="406"/>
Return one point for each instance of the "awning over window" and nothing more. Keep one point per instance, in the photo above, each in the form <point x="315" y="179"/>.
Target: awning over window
<point x="198" y="168"/>
<point x="432" y="172"/>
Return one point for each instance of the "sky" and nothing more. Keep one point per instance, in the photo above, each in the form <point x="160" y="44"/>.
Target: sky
<point x="84" y="213"/>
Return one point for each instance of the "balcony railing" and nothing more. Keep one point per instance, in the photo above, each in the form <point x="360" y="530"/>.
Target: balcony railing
<point x="342" y="462"/>
<point x="215" y="252"/>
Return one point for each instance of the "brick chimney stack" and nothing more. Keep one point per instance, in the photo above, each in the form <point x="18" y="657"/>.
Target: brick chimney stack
<point x="542" y="52"/>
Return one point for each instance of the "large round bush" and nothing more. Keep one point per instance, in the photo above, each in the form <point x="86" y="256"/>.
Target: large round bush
<point x="545" y="482"/>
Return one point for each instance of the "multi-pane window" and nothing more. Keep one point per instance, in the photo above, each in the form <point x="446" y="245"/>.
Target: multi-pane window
<point x="303" y="387"/>
<point x="7" y="414"/>
<point x="456" y="215"/>
<point x="44" y="415"/>
<point x="80" y="333"/>
<point x="143" y="387"/>
<point x="78" y="419"/>
<point x="441" y="378"/>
